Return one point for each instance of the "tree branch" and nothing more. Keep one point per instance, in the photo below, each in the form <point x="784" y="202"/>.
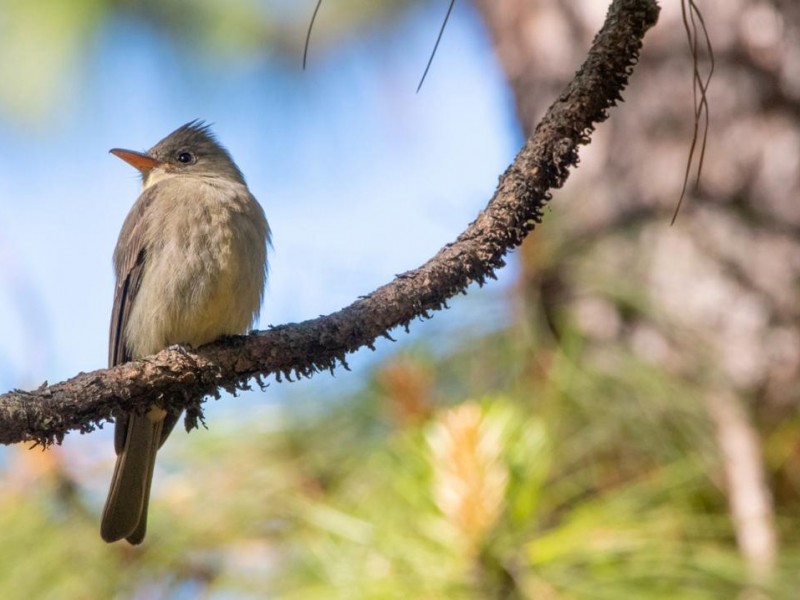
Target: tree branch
<point x="181" y="379"/>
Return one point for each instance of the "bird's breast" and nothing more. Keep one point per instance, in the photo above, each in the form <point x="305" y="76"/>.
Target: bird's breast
<point x="204" y="268"/>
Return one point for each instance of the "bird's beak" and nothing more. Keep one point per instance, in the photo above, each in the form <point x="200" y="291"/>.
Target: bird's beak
<point x="140" y="160"/>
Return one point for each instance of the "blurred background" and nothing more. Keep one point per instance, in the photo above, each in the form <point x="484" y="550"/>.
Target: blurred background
<point x="615" y="417"/>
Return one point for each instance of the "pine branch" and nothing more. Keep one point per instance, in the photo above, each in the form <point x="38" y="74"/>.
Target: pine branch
<point x="182" y="379"/>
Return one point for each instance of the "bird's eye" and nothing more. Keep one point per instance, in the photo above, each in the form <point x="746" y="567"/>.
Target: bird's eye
<point x="185" y="158"/>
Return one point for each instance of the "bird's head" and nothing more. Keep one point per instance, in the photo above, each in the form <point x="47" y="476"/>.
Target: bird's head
<point x="190" y="150"/>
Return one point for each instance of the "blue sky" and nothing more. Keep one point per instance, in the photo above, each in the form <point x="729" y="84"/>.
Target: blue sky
<point x="360" y="177"/>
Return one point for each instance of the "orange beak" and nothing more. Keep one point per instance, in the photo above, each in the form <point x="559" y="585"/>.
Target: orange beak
<point x="140" y="160"/>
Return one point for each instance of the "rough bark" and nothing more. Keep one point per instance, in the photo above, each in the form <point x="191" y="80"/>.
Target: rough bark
<point x="745" y="208"/>
<point x="181" y="379"/>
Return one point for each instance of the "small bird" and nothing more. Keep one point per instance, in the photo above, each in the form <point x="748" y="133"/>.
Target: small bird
<point x="190" y="264"/>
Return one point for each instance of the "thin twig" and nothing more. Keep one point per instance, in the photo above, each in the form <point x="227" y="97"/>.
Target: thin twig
<point x="436" y="45"/>
<point x="701" y="108"/>
<point x="308" y="33"/>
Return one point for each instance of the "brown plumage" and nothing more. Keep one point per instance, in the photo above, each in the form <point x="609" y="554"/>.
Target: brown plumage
<point x="190" y="266"/>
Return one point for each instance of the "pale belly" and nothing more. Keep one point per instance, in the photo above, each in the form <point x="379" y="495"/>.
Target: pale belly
<point x="197" y="288"/>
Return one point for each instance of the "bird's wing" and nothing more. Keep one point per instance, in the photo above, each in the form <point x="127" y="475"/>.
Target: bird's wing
<point x="130" y="256"/>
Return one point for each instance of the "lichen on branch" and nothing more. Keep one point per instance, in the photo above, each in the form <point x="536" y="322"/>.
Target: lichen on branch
<point x="182" y="379"/>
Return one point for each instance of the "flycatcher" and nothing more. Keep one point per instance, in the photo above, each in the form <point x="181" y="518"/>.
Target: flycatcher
<point x="191" y="264"/>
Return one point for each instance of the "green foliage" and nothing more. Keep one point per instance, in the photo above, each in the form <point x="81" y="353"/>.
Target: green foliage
<point x="40" y="45"/>
<point x="609" y="478"/>
<point x="560" y="479"/>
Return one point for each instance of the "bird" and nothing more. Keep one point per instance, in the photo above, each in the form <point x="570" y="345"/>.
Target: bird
<point x="190" y="266"/>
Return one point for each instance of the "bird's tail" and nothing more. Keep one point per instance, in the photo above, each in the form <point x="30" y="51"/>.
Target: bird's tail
<point x="125" y="513"/>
